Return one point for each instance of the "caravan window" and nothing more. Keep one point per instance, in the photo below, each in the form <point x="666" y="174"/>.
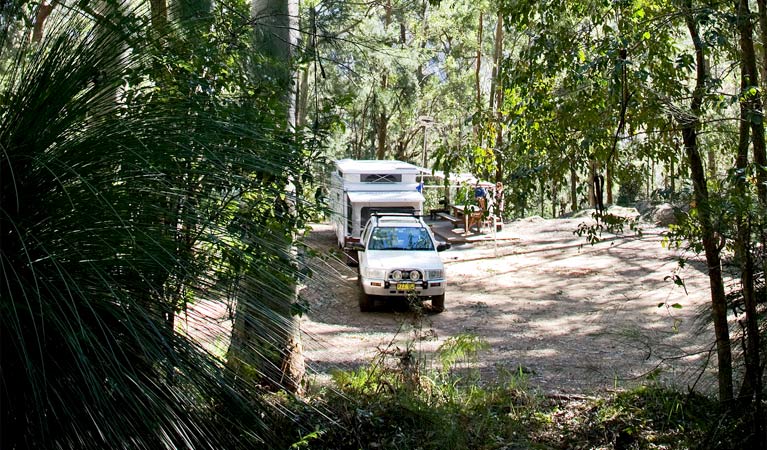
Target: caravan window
<point x="367" y="211"/>
<point x="381" y="178"/>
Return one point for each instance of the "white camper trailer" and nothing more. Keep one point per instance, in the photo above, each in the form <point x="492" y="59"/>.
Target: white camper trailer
<point x="360" y="187"/>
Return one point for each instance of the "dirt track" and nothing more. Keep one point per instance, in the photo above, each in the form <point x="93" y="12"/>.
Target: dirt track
<point x="573" y="317"/>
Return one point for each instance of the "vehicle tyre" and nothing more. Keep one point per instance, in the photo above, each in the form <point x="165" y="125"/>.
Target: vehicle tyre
<point x="438" y="303"/>
<point x="365" y="300"/>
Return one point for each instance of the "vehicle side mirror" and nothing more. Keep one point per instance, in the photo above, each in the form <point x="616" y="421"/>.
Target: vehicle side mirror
<point x="441" y="247"/>
<point x="358" y="246"/>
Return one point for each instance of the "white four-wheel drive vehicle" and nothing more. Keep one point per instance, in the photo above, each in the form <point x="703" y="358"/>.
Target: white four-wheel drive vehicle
<point x="398" y="256"/>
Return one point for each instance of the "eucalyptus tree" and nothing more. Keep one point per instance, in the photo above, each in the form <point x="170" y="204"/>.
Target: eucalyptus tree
<point x="394" y="71"/>
<point x="593" y="81"/>
<point x="751" y="228"/>
<point x="266" y="345"/>
<point x="145" y="179"/>
<point x="573" y="75"/>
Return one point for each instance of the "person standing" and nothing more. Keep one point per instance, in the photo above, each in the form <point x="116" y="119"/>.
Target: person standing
<point x="480" y="195"/>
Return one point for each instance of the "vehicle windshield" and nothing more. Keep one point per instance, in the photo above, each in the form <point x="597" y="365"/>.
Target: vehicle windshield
<point x="400" y="238"/>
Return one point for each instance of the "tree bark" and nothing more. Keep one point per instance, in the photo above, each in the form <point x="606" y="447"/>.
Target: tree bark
<point x="381" y="118"/>
<point x="276" y="37"/>
<point x="762" y="13"/>
<point x="303" y="98"/>
<point x="43" y="11"/>
<point x="478" y="67"/>
<point x="554" y="197"/>
<point x="497" y="53"/>
<point x="609" y="182"/>
<point x="689" y="124"/>
<point x="753" y="102"/>
<point x="382" y="125"/>
<point x="159" y="11"/>
<point x="573" y="188"/>
<point x="496" y="98"/>
<point x="750" y="108"/>
<point x="592" y="192"/>
<point x="711" y="155"/>
<point x="266" y="340"/>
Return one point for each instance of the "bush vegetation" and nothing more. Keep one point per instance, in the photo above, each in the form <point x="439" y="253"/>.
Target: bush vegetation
<point x="403" y="400"/>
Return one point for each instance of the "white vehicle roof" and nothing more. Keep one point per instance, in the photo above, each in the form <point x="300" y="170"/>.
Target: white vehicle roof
<point x="398" y="220"/>
<point x="385" y="197"/>
<point x="368" y="165"/>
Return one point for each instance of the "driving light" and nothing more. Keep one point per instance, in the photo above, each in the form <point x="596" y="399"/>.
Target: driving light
<point x="396" y="275"/>
<point x="414" y="275"/>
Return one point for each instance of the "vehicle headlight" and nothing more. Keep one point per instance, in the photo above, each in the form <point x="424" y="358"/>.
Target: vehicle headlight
<point x="375" y="273"/>
<point x="435" y="274"/>
<point x="396" y="275"/>
<point x="415" y="275"/>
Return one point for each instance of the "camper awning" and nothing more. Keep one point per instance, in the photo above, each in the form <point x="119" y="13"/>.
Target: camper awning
<point x="386" y="197"/>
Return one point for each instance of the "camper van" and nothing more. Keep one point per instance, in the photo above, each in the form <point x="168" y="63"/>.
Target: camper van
<point x="358" y="188"/>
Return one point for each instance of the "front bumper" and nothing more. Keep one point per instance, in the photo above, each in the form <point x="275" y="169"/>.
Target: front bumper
<point x="390" y="288"/>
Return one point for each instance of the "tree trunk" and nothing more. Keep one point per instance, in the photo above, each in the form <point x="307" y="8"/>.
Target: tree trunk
<point x="609" y="182"/>
<point x="478" y="67"/>
<point x="573" y="188"/>
<point x="554" y="197"/>
<point x="496" y="98"/>
<point x="753" y="102"/>
<point x="382" y="125"/>
<point x="497" y="54"/>
<point x="762" y="13"/>
<point x="750" y="107"/>
<point x="43" y="11"/>
<point x="381" y="118"/>
<point x="266" y="340"/>
<point x="710" y="238"/>
<point x="275" y="36"/>
<point x="159" y="11"/>
<point x="303" y="98"/>
<point x="592" y="192"/>
<point x="711" y="154"/>
<point x="672" y="197"/>
<point x="743" y="236"/>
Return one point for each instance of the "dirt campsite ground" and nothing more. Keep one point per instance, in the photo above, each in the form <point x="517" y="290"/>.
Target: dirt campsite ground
<point x="571" y="317"/>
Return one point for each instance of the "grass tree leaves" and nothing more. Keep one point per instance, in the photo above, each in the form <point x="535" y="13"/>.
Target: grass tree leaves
<point x="120" y="187"/>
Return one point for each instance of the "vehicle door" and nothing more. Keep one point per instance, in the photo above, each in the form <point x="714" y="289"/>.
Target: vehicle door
<point x="364" y="238"/>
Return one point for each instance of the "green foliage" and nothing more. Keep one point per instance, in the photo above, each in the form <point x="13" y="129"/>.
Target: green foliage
<point x="375" y="406"/>
<point x="463" y="348"/>
<point x="368" y="408"/>
<point x="139" y="175"/>
<point x="731" y="201"/>
<point x="606" y="222"/>
<point x="630" y="180"/>
<point x="648" y="417"/>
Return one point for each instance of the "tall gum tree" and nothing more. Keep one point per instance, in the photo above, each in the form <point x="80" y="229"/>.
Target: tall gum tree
<point x="266" y="342"/>
<point x="689" y="122"/>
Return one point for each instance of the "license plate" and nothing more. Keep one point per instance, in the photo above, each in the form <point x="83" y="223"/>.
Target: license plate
<point x="405" y="286"/>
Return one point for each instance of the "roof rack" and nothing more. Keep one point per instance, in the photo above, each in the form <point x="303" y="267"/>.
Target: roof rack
<point x="379" y="213"/>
